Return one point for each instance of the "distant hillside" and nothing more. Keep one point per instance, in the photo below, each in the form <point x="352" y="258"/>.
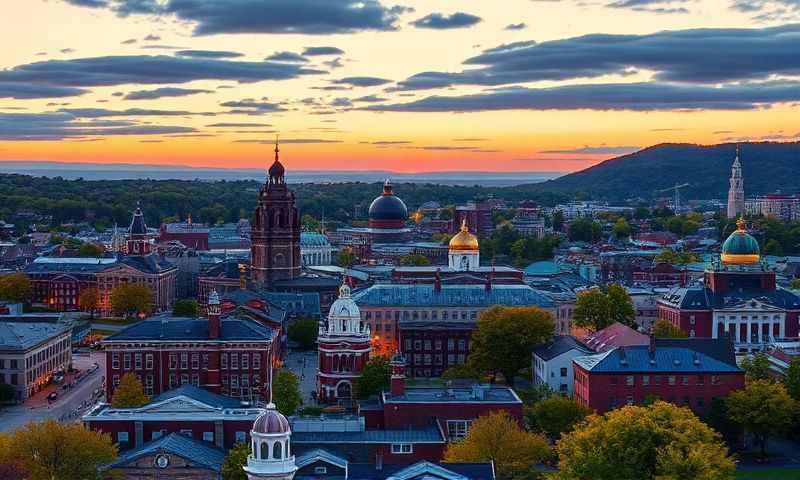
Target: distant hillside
<point x="766" y="166"/>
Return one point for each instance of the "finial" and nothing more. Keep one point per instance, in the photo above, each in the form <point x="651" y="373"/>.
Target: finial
<point x="277" y="150"/>
<point x="741" y="225"/>
<point x="464" y="225"/>
<point x="387" y="187"/>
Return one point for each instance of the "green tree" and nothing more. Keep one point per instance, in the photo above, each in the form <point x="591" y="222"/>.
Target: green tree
<point x="673" y="257"/>
<point x="792" y="379"/>
<point x="16" y="287"/>
<point x="308" y="221"/>
<point x="665" y="329"/>
<point x="621" y="229"/>
<point x="51" y="450"/>
<point x="89" y="300"/>
<point x="661" y="441"/>
<point x="131" y="298"/>
<point x="584" y="229"/>
<point x="599" y="307"/>
<point x="129" y="393"/>
<point x="558" y="221"/>
<point x="762" y="409"/>
<point x="756" y="367"/>
<point x="773" y="247"/>
<point x="415" y="260"/>
<point x="462" y="371"/>
<point x="346" y="258"/>
<point x="555" y="415"/>
<point x="90" y="250"/>
<point x="505" y="337"/>
<point x="186" y="307"/>
<point x="235" y="460"/>
<point x="286" y="392"/>
<point x="374" y="378"/>
<point x="794" y="284"/>
<point x="304" y="332"/>
<point x="498" y="438"/>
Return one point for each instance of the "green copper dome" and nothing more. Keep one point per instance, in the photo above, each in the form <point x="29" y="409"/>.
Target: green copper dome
<point x="740" y="247"/>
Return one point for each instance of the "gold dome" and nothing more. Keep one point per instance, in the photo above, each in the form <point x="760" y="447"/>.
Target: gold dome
<point x="740" y="247"/>
<point x="464" y="240"/>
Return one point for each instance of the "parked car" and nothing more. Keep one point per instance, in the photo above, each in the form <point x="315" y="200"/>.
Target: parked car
<point x="52" y="396"/>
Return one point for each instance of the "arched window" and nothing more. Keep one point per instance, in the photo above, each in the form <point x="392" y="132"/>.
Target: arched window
<point x="287" y="448"/>
<point x="264" y="451"/>
<point x="336" y="363"/>
<point x="277" y="450"/>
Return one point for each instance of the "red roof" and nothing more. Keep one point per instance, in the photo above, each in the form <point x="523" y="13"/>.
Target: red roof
<point x="615" y="335"/>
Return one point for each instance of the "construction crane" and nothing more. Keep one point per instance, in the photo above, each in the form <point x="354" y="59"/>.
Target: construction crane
<point x="676" y="189"/>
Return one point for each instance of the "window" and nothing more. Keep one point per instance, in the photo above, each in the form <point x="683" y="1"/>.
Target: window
<point x="208" y="437"/>
<point x="156" y="434"/>
<point x="671" y="380"/>
<point x="437" y="344"/>
<point x="645" y="380"/>
<point x="629" y="400"/>
<point x="184" y="378"/>
<point x="137" y="361"/>
<point x="320" y="470"/>
<point x="148" y="361"/>
<point x="714" y="380"/>
<point x="196" y="379"/>
<point x="256" y="361"/>
<point x="127" y="361"/>
<point x="685" y="380"/>
<point x="629" y="380"/>
<point x="114" y="380"/>
<point x="173" y="361"/>
<point x="195" y="361"/>
<point x="701" y="380"/>
<point x="563" y="388"/>
<point x="451" y="344"/>
<point x="563" y="371"/>
<point x="184" y="361"/>
<point x="173" y="380"/>
<point x="205" y="361"/>
<point x="241" y="437"/>
<point x="427" y="344"/>
<point x="223" y="361"/>
<point x="186" y="432"/>
<point x="234" y="361"/>
<point x="245" y="361"/>
<point x="657" y="378"/>
<point x="417" y="344"/>
<point x="122" y="437"/>
<point x="402" y="448"/>
<point x="457" y="429"/>
<point x="462" y="345"/>
<point x="115" y="361"/>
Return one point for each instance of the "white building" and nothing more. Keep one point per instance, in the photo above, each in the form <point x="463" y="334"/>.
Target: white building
<point x="464" y="252"/>
<point x="315" y="249"/>
<point x="552" y="362"/>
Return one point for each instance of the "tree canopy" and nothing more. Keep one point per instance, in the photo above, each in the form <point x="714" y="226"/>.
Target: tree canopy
<point x="16" y="287"/>
<point x="673" y="257"/>
<point x="186" y="307"/>
<point x="505" y="337"/>
<point x="414" y="260"/>
<point x="235" y="459"/>
<point x="639" y="443"/>
<point x="131" y="298"/>
<point x="129" y="393"/>
<point x="555" y="415"/>
<point x="304" y="332"/>
<point x="286" y="392"/>
<point x="89" y="300"/>
<point x="756" y="367"/>
<point x="762" y="408"/>
<point x="374" y="378"/>
<point x="665" y="329"/>
<point x="498" y="437"/>
<point x="599" y="307"/>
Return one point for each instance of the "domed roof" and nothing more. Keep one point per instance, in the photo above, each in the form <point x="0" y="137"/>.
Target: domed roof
<point x="344" y="306"/>
<point x="740" y="247"/>
<point x="464" y="240"/>
<point x="276" y="170"/>
<point x="271" y="422"/>
<point x="388" y="207"/>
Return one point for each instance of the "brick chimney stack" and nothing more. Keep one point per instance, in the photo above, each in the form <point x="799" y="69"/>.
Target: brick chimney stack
<point x="213" y="315"/>
<point x="398" y="380"/>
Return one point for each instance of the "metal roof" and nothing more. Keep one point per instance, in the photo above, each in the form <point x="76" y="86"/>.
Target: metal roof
<point x="166" y="327"/>
<point x="462" y="295"/>
<point x="203" y="454"/>
<point x="24" y="335"/>
<point x="558" y="345"/>
<point x="665" y="359"/>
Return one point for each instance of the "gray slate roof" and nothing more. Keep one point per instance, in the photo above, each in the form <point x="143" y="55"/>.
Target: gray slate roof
<point x="21" y="336"/>
<point x="558" y="345"/>
<point x="166" y="327"/>
<point x="461" y="295"/>
<point x="203" y="454"/>
<point x="637" y="359"/>
<point x="417" y="435"/>
<point x="201" y="395"/>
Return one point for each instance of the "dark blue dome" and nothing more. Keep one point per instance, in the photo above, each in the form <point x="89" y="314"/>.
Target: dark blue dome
<point x="388" y="207"/>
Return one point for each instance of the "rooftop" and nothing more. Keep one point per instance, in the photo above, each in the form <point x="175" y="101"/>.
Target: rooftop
<point x="24" y="335"/>
<point x="476" y="393"/>
<point x="166" y="327"/>
<point x="463" y="295"/>
<point x="558" y="345"/>
<point x="204" y="454"/>
<point x="664" y="359"/>
<point x="615" y="335"/>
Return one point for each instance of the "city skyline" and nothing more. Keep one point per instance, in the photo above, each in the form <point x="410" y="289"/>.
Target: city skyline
<point x="409" y="86"/>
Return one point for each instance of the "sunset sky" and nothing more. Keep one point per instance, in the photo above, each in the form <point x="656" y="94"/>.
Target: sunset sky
<point x="405" y="85"/>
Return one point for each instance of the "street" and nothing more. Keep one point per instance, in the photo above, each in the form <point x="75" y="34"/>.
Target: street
<point x="70" y="404"/>
<point x="304" y="365"/>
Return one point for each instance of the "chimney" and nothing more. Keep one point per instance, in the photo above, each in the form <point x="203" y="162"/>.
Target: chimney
<point x="213" y="315"/>
<point x="242" y="276"/>
<point x="398" y="380"/>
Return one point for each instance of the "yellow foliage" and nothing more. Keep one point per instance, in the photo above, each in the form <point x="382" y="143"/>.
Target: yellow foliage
<point x="129" y="393"/>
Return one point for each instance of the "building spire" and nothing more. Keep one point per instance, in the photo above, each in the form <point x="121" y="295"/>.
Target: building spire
<point x="277" y="150"/>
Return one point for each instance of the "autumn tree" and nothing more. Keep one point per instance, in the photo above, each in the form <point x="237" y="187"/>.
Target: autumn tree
<point x="762" y="409"/>
<point x="286" y="392"/>
<point x="304" y="332"/>
<point x="374" y="378"/>
<point x="673" y="257"/>
<point x="382" y="346"/>
<point x="599" y="307"/>
<point x="51" y="450"/>
<point x="16" y="287"/>
<point x="346" y="257"/>
<point x="498" y="437"/>
<point x="643" y="443"/>
<point x="131" y="298"/>
<point x="505" y="337"/>
<point x="129" y="393"/>
<point x="89" y="300"/>
<point x="90" y="250"/>
<point x="235" y="459"/>
<point x="461" y="371"/>
<point x="186" y="307"/>
<point x="621" y="229"/>
<point x="756" y="367"/>
<point x="794" y="284"/>
<point x="11" y="467"/>
<point x="414" y="260"/>
<point x="665" y="329"/>
<point x="555" y="415"/>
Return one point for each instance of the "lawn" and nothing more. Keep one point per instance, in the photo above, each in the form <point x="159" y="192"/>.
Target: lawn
<point x="775" y="473"/>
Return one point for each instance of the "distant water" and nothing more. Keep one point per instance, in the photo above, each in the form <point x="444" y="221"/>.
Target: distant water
<point x="96" y="171"/>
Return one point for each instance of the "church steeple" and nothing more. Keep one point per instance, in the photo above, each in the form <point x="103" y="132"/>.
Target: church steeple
<point x="736" y="190"/>
<point x="276" y="171"/>
<point x="138" y="241"/>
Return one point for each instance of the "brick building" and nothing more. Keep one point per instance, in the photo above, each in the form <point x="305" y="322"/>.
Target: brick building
<point x="690" y="372"/>
<point x="192" y="235"/>
<point x="230" y="355"/>
<point x="57" y="282"/>
<point x="30" y="353"/>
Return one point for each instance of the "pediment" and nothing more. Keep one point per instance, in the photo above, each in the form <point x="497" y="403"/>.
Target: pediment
<point x="180" y="404"/>
<point x="751" y="305"/>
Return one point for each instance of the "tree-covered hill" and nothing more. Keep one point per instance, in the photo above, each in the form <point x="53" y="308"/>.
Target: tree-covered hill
<point x="766" y="166"/>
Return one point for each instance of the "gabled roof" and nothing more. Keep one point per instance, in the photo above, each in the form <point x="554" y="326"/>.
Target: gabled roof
<point x="422" y="470"/>
<point x="202" y="454"/>
<point x="166" y="327"/>
<point x="318" y="454"/>
<point x="615" y="335"/>
<point x="152" y="263"/>
<point x="203" y="396"/>
<point x="639" y="359"/>
<point x="559" y="345"/>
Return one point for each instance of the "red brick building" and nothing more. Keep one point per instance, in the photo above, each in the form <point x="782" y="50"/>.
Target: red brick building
<point x="192" y="235"/>
<point x="690" y="372"/>
<point x="227" y="355"/>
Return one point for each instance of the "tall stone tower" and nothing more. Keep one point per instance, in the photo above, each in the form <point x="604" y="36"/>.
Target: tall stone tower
<point x="275" y="233"/>
<point x="736" y="191"/>
<point x="138" y="241"/>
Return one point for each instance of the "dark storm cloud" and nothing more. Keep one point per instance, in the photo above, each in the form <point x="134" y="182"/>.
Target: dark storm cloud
<point x="362" y="81"/>
<point x="258" y="16"/>
<point x="287" y="57"/>
<point x="61" y="125"/>
<point x="312" y="51"/>
<point x="130" y="112"/>
<point x="147" y="69"/>
<point x="31" y="90"/>
<point x="699" y="55"/>
<point x="208" y="54"/>
<point x="163" y="92"/>
<point x="440" y="21"/>
<point x="620" y="96"/>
